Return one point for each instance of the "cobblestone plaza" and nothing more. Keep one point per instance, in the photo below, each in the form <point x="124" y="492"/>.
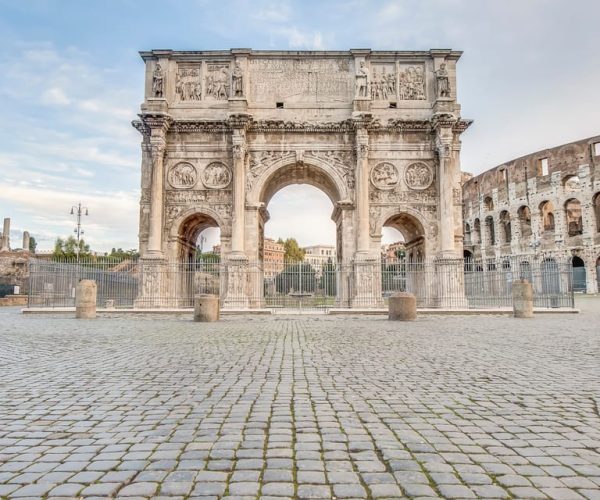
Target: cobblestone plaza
<point x="300" y="406"/>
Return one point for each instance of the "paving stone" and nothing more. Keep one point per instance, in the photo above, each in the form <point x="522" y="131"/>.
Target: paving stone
<point x="143" y="489"/>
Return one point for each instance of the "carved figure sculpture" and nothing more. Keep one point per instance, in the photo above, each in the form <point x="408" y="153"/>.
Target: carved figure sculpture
<point x="182" y="175"/>
<point x="384" y="176"/>
<point x="188" y="85"/>
<point x="443" y="82"/>
<point x="418" y="176"/>
<point x="412" y="84"/>
<point x="362" y="81"/>
<point x="216" y="176"/>
<point x="237" y="83"/>
<point x="158" y="81"/>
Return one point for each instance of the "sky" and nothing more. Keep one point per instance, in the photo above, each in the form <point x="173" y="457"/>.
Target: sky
<point x="71" y="81"/>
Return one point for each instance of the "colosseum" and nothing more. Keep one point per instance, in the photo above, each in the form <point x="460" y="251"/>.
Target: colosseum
<point x="544" y="206"/>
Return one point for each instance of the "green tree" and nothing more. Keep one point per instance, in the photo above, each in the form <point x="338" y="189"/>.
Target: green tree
<point x="328" y="279"/>
<point x="293" y="252"/>
<point x="296" y="277"/>
<point x="120" y="254"/>
<point x="67" y="249"/>
<point x="32" y="244"/>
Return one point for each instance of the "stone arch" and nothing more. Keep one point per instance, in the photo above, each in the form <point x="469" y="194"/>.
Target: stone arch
<point x="488" y="203"/>
<point x="467" y="237"/>
<point x="524" y="215"/>
<point x="186" y="228"/>
<point x="477" y="231"/>
<point x="573" y="216"/>
<point x="547" y="215"/>
<point x="285" y="172"/>
<point x="413" y="226"/>
<point x="571" y="183"/>
<point x="579" y="273"/>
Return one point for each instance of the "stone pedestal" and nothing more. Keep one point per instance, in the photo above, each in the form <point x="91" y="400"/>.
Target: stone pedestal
<point x="85" y="299"/>
<point x="367" y="283"/>
<point x="522" y="295"/>
<point x="206" y="308"/>
<point x="236" y="282"/>
<point x="450" y="278"/>
<point x="152" y="284"/>
<point x="402" y="307"/>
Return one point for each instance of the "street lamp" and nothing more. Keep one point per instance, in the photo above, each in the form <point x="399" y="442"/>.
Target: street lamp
<point x="78" y="211"/>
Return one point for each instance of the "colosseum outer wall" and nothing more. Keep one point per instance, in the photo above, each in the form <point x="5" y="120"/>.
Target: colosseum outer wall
<point x="545" y="205"/>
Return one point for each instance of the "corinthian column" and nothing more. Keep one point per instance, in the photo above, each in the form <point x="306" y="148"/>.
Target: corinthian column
<point x="239" y="185"/>
<point x="446" y="186"/>
<point x="362" y="191"/>
<point x="157" y="151"/>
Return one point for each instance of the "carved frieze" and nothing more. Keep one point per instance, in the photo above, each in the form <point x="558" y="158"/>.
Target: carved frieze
<point x="374" y="216"/>
<point x="396" y="196"/>
<point x="300" y="79"/>
<point x="198" y="196"/>
<point x="261" y="161"/>
<point x="217" y="81"/>
<point x="342" y="161"/>
<point x="183" y="175"/>
<point x="216" y="175"/>
<point x="418" y="176"/>
<point x="385" y="176"/>
<point x="411" y="83"/>
<point x="188" y="86"/>
<point x="383" y="82"/>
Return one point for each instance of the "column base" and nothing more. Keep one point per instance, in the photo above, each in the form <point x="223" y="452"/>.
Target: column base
<point x="235" y="282"/>
<point x="366" y="283"/>
<point x="152" y="283"/>
<point x="449" y="274"/>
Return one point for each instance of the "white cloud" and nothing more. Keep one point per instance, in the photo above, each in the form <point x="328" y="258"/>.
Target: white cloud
<point x="55" y="96"/>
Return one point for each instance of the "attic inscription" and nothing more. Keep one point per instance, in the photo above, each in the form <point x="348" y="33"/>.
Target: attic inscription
<point x="301" y="79"/>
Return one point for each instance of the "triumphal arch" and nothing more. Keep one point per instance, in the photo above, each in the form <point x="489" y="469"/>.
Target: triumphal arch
<point x="223" y="131"/>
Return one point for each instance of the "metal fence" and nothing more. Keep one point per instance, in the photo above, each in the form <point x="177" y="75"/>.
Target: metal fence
<point x="300" y="285"/>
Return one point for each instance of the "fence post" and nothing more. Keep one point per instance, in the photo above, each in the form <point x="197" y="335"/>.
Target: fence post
<point x="522" y="295"/>
<point x="85" y="299"/>
<point x="206" y="308"/>
<point x="402" y="307"/>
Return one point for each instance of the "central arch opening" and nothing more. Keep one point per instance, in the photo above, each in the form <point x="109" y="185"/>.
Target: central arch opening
<point x="299" y="237"/>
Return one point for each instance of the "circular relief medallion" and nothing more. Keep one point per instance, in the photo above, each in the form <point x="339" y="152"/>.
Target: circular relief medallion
<point x="182" y="176"/>
<point x="418" y="176"/>
<point x="384" y="176"/>
<point x="216" y="175"/>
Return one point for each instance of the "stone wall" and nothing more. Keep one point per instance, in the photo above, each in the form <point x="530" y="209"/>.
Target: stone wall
<point x="545" y="204"/>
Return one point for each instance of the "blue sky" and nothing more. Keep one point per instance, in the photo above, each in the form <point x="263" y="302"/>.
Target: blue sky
<point x="71" y="82"/>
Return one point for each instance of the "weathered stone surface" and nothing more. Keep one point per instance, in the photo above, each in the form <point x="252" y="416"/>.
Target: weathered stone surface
<point x="206" y="308"/>
<point x="85" y="299"/>
<point x="289" y="407"/>
<point x="522" y="295"/>
<point x="402" y="307"/>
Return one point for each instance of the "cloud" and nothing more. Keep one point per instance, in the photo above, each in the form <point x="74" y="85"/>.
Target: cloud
<point x="55" y="97"/>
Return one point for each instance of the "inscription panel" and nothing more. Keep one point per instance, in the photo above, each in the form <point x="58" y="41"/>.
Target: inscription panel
<point x="301" y="80"/>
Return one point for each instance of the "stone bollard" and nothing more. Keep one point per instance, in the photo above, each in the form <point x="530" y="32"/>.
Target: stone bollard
<point x="522" y="295"/>
<point x="109" y="304"/>
<point x="206" y="308"/>
<point x="85" y="299"/>
<point x="402" y="307"/>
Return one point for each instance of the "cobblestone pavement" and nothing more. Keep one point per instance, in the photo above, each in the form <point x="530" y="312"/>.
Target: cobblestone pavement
<point x="300" y="407"/>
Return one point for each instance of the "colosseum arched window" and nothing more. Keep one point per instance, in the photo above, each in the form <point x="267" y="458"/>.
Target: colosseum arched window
<point x="571" y="183"/>
<point x="573" y="217"/>
<point x="468" y="234"/>
<point x="525" y="220"/>
<point x="547" y="215"/>
<point x="488" y="203"/>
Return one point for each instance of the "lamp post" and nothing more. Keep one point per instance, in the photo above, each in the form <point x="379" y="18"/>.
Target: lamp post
<point x="78" y="211"/>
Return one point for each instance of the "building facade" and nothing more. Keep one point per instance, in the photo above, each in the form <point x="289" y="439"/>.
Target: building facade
<point x="272" y="258"/>
<point x="223" y="131"/>
<point x="545" y="205"/>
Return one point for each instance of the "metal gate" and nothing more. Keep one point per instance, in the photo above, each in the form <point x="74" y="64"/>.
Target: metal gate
<point x="302" y="286"/>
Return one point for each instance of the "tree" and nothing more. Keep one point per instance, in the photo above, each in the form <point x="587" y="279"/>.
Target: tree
<point x="293" y="252"/>
<point x="296" y="277"/>
<point x="32" y="244"/>
<point x="120" y="254"/>
<point x="328" y="279"/>
<point x="67" y="249"/>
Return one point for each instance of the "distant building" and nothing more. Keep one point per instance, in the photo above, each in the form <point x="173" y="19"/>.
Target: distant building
<point x="389" y="251"/>
<point x="273" y="253"/>
<point x="217" y="249"/>
<point x="317" y="255"/>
